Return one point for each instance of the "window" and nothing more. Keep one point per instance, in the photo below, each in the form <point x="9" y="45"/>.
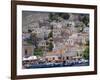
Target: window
<point x="80" y="54"/>
<point x="67" y="58"/>
<point x="59" y="57"/>
<point x="25" y="51"/>
<point x="53" y="58"/>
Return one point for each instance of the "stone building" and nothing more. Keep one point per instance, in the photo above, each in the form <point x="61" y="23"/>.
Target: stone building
<point x="27" y="49"/>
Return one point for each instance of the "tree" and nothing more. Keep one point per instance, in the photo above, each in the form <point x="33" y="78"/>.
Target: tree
<point x="33" y="40"/>
<point x="85" y="20"/>
<point x="65" y="16"/>
<point x="86" y="53"/>
<point x="53" y="16"/>
<point x="50" y="34"/>
<point x="87" y="42"/>
<point x="38" y="52"/>
<point x="50" y="47"/>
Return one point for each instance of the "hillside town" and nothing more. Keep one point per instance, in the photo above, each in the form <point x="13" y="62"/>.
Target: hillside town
<point x="54" y="39"/>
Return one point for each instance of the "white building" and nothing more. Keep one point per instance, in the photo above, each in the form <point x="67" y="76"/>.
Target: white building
<point x="25" y="35"/>
<point x="42" y="43"/>
<point x="86" y="29"/>
<point x="56" y="32"/>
